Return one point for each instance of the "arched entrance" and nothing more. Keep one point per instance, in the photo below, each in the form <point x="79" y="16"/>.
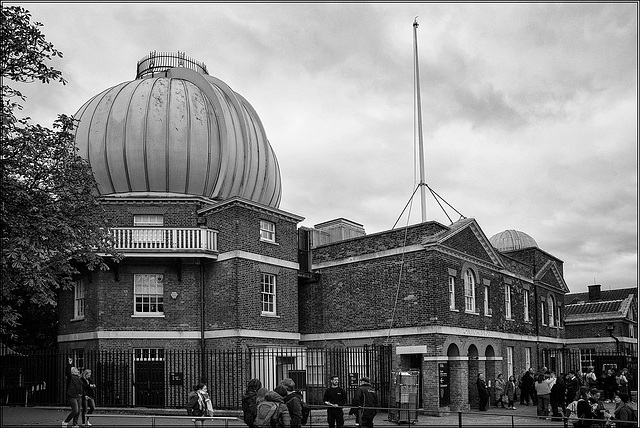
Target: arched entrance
<point x="490" y="368"/>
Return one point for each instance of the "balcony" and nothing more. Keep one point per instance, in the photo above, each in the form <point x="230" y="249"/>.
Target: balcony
<point x="163" y="241"/>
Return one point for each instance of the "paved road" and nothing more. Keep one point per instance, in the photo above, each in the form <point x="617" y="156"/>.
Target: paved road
<point x="15" y="416"/>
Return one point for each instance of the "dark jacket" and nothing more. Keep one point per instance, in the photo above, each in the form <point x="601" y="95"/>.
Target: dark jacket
<point x="624" y="413"/>
<point x="482" y="388"/>
<point x="75" y="387"/>
<point x="573" y="386"/>
<point x="335" y="395"/>
<point x="294" y="405"/>
<point x="249" y="400"/>
<point x="87" y="385"/>
<point x="364" y="397"/>
<point x="558" y="392"/>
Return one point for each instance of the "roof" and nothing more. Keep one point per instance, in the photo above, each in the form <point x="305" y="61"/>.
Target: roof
<point x="612" y="304"/>
<point x="619" y="294"/>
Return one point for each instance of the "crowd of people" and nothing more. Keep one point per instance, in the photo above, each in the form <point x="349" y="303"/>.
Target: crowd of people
<point x="578" y="396"/>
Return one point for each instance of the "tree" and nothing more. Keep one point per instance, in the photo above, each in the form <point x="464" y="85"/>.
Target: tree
<point x="52" y="223"/>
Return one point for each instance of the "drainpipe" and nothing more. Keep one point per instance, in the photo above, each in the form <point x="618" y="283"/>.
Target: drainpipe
<point x="203" y="360"/>
<point x="537" y="306"/>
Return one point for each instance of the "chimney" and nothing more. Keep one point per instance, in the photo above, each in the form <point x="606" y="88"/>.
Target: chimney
<point x="594" y="292"/>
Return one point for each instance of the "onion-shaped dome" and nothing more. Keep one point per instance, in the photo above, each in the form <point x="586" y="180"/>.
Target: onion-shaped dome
<point x="512" y="240"/>
<point x="175" y="129"/>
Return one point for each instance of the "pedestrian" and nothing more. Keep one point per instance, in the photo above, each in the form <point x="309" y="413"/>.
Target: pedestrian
<point x="483" y="393"/>
<point x="532" y="391"/>
<point x="335" y="397"/>
<point x="622" y="383"/>
<point x="557" y="399"/>
<point x="572" y="386"/>
<point x="526" y="382"/>
<point x="88" y="397"/>
<point x="249" y="401"/>
<point x="365" y="403"/>
<point x="590" y="379"/>
<point x="499" y="390"/>
<point x="199" y="404"/>
<point x="280" y="418"/>
<point x="623" y="415"/>
<point x="543" y="393"/>
<point x="293" y="399"/>
<point x="74" y="390"/>
<point x="610" y="386"/>
<point x="510" y="392"/>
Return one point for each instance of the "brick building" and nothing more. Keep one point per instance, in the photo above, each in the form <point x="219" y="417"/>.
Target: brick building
<point x="192" y="188"/>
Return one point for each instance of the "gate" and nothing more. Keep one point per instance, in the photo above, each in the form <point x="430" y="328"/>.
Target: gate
<point x="149" y="374"/>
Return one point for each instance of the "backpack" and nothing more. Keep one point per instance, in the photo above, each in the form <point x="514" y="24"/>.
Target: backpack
<point x="193" y="405"/>
<point x="265" y="412"/>
<point x="306" y="409"/>
<point x="572" y="412"/>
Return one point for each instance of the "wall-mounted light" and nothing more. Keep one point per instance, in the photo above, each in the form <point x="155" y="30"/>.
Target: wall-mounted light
<point x="174" y="295"/>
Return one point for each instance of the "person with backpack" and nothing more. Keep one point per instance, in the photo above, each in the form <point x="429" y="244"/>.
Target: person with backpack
<point x="271" y="412"/>
<point x="293" y="399"/>
<point x="249" y="401"/>
<point x="199" y="403"/>
<point x="335" y="397"/>
<point x="365" y="401"/>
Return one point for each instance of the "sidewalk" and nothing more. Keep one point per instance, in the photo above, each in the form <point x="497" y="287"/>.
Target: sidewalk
<point x="16" y="416"/>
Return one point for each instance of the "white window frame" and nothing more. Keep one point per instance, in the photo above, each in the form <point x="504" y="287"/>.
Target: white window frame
<point x="525" y="301"/>
<point x="558" y="316"/>
<point x="148" y="235"/>
<point x="79" y="301"/>
<point x="469" y="291"/>
<point x="507" y="301"/>
<point x="267" y="231"/>
<point x="148" y="354"/>
<point x="315" y="367"/>
<point x="452" y="292"/>
<point x="148" y="295"/>
<point x="543" y="312"/>
<point x="509" y="361"/>
<point x="487" y="310"/>
<point x="527" y="358"/>
<point x="268" y="296"/>
<point x="551" y="307"/>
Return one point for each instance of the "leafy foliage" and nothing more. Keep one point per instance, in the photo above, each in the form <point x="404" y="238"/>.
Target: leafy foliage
<point x="52" y="223"/>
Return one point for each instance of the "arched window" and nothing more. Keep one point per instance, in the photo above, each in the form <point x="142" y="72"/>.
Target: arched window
<point x="469" y="291"/>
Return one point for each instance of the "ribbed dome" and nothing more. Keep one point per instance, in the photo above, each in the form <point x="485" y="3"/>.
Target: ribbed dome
<point x="512" y="240"/>
<point x="178" y="131"/>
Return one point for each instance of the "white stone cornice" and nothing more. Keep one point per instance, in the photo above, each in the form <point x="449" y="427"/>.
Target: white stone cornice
<point x="239" y="254"/>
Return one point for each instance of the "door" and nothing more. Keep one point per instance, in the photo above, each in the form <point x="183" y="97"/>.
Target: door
<point x="148" y="372"/>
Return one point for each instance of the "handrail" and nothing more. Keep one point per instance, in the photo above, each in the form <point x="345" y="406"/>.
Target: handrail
<point x="164" y="238"/>
<point x="153" y="418"/>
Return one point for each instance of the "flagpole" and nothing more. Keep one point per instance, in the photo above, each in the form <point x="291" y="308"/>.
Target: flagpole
<point x="423" y="195"/>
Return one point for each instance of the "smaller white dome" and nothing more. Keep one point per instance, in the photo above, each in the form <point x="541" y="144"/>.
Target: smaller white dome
<point x="512" y="240"/>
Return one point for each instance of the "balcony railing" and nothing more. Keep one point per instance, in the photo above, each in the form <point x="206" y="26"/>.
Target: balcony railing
<point x="145" y="239"/>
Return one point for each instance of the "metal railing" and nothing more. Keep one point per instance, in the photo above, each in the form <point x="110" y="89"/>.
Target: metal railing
<point x="170" y="239"/>
<point x="157" y="62"/>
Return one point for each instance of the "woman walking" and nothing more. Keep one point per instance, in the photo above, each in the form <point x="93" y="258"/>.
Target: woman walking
<point x="88" y="396"/>
<point x="510" y="392"/>
<point x="483" y="393"/>
<point x="499" y="390"/>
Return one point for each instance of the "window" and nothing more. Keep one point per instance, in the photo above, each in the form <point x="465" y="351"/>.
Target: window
<point x="78" y="358"/>
<point x="509" y="361"/>
<point x="543" y="313"/>
<point x="268" y="294"/>
<point x="148" y="354"/>
<point x="148" y="235"/>
<point x="559" y="315"/>
<point x="525" y="303"/>
<point x="267" y="231"/>
<point x="469" y="291"/>
<point x="587" y="359"/>
<point x="527" y="358"/>
<point x="487" y="309"/>
<point x="78" y="300"/>
<point x="507" y="300"/>
<point x="452" y="292"/>
<point x="551" y="304"/>
<point x="148" y="292"/>
<point x="315" y="367"/>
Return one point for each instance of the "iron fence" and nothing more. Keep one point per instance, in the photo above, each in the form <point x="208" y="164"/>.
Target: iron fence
<point x="163" y="377"/>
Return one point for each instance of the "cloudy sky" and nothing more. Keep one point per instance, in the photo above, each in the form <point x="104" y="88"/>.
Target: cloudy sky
<point x="529" y="110"/>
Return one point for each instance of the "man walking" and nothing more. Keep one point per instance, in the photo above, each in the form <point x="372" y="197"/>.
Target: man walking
<point x="335" y="397"/>
<point x="365" y="401"/>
